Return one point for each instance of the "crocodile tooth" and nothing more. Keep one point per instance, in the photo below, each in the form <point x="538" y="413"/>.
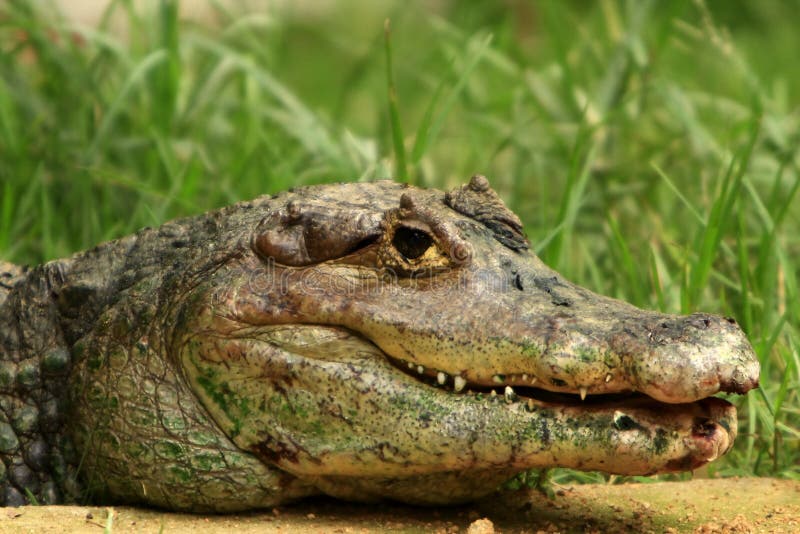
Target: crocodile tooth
<point x="524" y="377"/>
<point x="533" y="380"/>
<point x="529" y="405"/>
<point x="498" y="379"/>
<point x="420" y="369"/>
<point x="510" y="394"/>
<point x="493" y="393"/>
<point x="459" y="383"/>
<point x="583" y="393"/>
<point x="410" y="365"/>
<point x="608" y="378"/>
<point x="441" y="377"/>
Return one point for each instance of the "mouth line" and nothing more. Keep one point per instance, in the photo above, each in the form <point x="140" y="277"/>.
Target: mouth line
<point x="533" y="396"/>
<point x="508" y="387"/>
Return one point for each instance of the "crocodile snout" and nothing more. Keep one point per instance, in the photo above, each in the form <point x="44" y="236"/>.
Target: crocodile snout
<point x="696" y="356"/>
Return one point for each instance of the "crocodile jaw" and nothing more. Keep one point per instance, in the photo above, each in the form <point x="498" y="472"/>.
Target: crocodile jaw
<point x="328" y="407"/>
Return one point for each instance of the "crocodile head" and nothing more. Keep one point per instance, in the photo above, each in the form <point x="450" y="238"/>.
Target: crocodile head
<point x="380" y="340"/>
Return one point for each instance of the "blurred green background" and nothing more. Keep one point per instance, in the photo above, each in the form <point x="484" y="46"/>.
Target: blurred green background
<point x="651" y="148"/>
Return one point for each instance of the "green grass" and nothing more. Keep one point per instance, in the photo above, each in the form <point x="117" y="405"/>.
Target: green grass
<point x="650" y="147"/>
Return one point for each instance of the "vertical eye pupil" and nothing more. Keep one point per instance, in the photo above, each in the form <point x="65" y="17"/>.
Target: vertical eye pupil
<point x="411" y="243"/>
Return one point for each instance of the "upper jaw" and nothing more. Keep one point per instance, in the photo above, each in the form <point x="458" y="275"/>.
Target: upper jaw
<point x="548" y="333"/>
<point x="691" y="364"/>
<point x="596" y="345"/>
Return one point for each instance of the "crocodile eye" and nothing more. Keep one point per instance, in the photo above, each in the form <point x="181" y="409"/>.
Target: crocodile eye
<point x="411" y="243"/>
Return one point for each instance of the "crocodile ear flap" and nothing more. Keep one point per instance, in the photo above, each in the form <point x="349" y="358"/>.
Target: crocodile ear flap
<point x="297" y="235"/>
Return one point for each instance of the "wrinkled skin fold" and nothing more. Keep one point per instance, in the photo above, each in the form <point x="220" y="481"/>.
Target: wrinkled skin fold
<point x="366" y="341"/>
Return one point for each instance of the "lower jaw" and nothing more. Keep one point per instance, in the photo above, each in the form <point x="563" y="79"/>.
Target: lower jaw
<point x="710" y="422"/>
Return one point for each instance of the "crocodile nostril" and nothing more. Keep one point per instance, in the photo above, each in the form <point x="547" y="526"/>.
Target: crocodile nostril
<point x="730" y="320"/>
<point x="518" y="281"/>
<point x="700" y="323"/>
<point x="704" y="428"/>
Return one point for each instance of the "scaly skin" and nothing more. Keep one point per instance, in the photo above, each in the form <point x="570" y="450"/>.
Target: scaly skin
<point x="362" y="340"/>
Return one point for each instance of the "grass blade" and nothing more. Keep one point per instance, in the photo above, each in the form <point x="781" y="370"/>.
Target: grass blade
<point x="718" y="220"/>
<point x="401" y="168"/>
<point x="429" y="130"/>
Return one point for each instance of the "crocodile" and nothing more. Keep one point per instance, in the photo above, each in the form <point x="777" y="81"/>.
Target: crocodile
<point x="362" y="340"/>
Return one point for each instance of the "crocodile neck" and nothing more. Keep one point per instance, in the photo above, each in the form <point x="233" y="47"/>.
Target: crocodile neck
<point x="38" y="460"/>
<point x="43" y="312"/>
<point x="85" y="366"/>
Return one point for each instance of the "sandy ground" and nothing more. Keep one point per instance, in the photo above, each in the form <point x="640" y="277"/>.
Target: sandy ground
<point x="705" y="506"/>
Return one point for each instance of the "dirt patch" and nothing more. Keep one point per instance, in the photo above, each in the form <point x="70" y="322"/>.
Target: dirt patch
<point x="703" y="506"/>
